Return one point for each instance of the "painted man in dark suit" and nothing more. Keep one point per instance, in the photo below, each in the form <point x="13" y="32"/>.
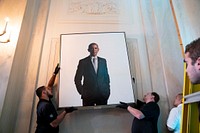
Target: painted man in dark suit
<point x="95" y="87"/>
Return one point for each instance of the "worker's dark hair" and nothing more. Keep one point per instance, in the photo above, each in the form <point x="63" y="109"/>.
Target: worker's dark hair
<point x="194" y="50"/>
<point x="39" y="91"/>
<point x="156" y="96"/>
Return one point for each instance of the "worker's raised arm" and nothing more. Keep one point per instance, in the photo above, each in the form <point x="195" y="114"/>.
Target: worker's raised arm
<point x="52" y="80"/>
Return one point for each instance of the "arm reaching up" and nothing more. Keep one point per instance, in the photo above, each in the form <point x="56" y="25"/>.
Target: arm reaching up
<point x="52" y="80"/>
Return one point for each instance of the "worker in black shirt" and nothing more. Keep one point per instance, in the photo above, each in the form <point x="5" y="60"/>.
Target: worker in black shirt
<point x="145" y="118"/>
<point x="47" y="118"/>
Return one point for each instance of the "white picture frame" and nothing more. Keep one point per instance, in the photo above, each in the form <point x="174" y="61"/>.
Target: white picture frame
<point x="112" y="47"/>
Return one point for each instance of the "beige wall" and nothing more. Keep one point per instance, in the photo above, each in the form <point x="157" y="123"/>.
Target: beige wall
<point x="189" y="26"/>
<point x="7" y="50"/>
<point x="154" y="50"/>
<point x="19" y="98"/>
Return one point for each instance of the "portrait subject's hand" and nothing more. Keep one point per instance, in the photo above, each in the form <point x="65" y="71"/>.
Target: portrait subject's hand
<point x="70" y="109"/>
<point x="57" y="69"/>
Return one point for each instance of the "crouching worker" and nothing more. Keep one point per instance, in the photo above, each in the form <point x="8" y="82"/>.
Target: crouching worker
<point x="47" y="118"/>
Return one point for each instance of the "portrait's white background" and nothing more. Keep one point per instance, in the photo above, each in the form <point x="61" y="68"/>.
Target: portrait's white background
<point x="112" y="47"/>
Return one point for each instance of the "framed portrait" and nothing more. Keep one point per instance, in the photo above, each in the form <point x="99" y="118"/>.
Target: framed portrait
<point x="113" y="48"/>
